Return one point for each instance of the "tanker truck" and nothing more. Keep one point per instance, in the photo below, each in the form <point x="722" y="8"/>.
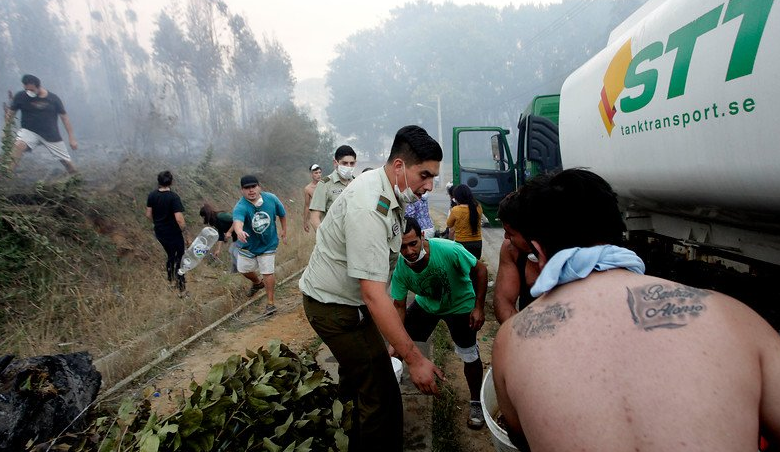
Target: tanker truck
<point x="679" y="112"/>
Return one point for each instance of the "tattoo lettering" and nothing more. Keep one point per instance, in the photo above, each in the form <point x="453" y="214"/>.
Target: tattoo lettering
<point x="534" y="323"/>
<point x="660" y="306"/>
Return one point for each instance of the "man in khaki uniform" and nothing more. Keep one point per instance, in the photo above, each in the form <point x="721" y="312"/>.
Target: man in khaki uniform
<point x="608" y="359"/>
<point x="345" y="289"/>
<point x="330" y="187"/>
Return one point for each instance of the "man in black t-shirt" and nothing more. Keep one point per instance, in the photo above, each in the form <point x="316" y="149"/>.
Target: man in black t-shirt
<point x="40" y="109"/>
<point x="165" y="210"/>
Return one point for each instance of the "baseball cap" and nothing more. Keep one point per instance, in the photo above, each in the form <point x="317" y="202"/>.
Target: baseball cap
<point x="314" y="167"/>
<point x="249" y="180"/>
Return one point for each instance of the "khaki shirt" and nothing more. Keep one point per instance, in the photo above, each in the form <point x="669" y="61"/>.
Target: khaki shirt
<point x="359" y="239"/>
<point x="328" y="189"/>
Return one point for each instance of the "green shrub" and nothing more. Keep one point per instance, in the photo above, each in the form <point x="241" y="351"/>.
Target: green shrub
<point x="273" y="400"/>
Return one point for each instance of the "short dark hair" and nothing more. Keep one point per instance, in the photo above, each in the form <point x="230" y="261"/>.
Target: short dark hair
<point x="413" y="145"/>
<point x="412" y="224"/>
<point x="343" y="151"/>
<point x="573" y="208"/>
<point x="29" y="79"/>
<point x="165" y="178"/>
<point x="508" y="210"/>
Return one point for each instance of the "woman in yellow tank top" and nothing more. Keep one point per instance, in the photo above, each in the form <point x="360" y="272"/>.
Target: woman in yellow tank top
<point x="465" y="220"/>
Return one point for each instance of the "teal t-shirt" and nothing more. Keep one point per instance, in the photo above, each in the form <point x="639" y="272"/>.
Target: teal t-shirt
<point x="259" y="223"/>
<point x="444" y="286"/>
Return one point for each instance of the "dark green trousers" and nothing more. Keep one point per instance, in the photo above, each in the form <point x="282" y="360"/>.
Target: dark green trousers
<point x="366" y="374"/>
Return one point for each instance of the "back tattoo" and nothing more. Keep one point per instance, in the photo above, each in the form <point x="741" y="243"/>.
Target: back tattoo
<point x="532" y="322"/>
<point x="665" y="305"/>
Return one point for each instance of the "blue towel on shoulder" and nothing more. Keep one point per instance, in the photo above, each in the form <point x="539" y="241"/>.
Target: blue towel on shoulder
<point x="577" y="263"/>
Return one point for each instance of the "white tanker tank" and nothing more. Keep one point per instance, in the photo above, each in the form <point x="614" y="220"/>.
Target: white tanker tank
<point x="681" y="114"/>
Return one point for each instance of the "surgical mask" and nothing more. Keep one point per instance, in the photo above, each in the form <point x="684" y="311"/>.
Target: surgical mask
<point x="407" y="196"/>
<point x="259" y="201"/>
<point x="345" y="172"/>
<point x="31" y="93"/>
<point x="419" y="256"/>
<point x="424" y="196"/>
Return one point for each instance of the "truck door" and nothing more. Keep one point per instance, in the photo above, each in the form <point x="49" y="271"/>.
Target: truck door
<point x="482" y="160"/>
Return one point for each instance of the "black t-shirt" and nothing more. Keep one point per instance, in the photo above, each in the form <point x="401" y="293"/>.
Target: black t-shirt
<point x="164" y="204"/>
<point x="223" y="224"/>
<point x="39" y="114"/>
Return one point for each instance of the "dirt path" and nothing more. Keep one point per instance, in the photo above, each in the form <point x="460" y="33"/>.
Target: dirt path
<point x="249" y="330"/>
<point x="471" y="440"/>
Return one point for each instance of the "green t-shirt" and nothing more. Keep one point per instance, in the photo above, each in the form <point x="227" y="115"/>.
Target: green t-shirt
<point x="444" y="286"/>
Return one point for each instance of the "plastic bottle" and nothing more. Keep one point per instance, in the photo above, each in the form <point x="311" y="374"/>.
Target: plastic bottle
<point x="198" y="249"/>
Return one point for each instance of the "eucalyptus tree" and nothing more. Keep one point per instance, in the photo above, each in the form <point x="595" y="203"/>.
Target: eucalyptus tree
<point x="205" y="58"/>
<point x="171" y="57"/>
<point x="35" y="41"/>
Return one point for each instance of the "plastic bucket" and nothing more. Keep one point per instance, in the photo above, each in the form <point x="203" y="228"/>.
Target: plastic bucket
<point x="398" y="368"/>
<point x="490" y="408"/>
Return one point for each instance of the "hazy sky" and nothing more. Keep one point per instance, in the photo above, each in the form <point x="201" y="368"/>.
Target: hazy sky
<point x="310" y="29"/>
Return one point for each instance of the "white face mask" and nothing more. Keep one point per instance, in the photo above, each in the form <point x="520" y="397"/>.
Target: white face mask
<point x="31" y="93"/>
<point x="419" y="256"/>
<point x="407" y="196"/>
<point x="424" y="196"/>
<point x="259" y="201"/>
<point x="345" y="172"/>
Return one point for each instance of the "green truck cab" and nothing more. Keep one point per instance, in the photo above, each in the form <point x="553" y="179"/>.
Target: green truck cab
<point x="483" y="160"/>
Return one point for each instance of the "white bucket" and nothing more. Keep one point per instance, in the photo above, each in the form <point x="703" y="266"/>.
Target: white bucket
<point x="398" y="368"/>
<point x="490" y="408"/>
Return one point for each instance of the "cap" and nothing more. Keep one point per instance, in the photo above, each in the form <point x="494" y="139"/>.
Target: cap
<point x="249" y="180"/>
<point x="314" y="167"/>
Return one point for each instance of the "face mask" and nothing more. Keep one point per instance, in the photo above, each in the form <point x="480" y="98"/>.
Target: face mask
<point x="345" y="172"/>
<point x="31" y="93"/>
<point x="407" y="196"/>
<point x="259" y="201"/>
<point x="424" y="196"/>
<point x="419" y="256"/>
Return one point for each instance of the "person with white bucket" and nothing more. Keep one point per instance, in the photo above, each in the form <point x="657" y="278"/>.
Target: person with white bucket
<point x="440" y="273"/>
<point x="609" y="359"/>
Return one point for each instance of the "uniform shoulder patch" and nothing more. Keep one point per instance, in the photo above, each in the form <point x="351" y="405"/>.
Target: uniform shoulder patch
<point x="325" y="179"/>
<point x="383" y="205"/>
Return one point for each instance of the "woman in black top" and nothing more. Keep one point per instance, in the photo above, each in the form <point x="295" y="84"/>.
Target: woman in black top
<point x="166" y="211"/>
<point x="223" y="222"/>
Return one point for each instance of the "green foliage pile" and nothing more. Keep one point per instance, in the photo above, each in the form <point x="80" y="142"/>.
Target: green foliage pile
<point x="273" y="400"/>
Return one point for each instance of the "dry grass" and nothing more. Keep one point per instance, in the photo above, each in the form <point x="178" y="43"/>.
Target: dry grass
<point x="107" y="293"/>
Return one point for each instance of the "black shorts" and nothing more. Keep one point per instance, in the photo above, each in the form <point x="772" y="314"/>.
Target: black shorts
<point x="420" y="324"/>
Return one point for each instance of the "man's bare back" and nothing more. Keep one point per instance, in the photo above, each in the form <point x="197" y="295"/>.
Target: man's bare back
<point x="308" y="192"/>
<point x="621" y="361"/>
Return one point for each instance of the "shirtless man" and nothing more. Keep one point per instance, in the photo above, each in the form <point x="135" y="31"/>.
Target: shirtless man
<point x="308" y="192"/>
<point x="613" y="360"/>
<point x="516" y="271"/>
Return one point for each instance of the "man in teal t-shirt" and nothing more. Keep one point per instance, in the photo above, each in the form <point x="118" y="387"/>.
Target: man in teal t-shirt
<point x="254" y="223"/>
<point x="440" y="272"/>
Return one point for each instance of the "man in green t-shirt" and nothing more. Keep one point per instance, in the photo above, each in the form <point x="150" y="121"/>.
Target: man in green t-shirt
<point x="440" y="272"/>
